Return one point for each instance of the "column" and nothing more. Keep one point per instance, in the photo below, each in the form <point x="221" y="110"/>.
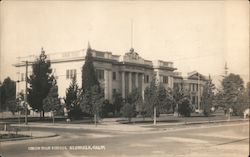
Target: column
<point x="170" y="81"/>
<point x="142" y="85"/>
<point x="136" y="80"/>
<point x="158" y="78"/>
<point x="106" y="84"/>
<point x="130" y="82"/>
<point x="123" y="84"/>
<point x="110" y="85"/>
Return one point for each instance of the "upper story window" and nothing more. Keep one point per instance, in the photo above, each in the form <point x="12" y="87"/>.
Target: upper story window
<point x="165" y="79"/>
<point x="70" y="73"/>
<point x="146" y="78"/>
<point x="99" y="54"/>
<point x="114" y="75"/>
<point x="100" y="74"/>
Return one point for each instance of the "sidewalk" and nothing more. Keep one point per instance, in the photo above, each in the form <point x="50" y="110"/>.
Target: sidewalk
<point x="112" y="125"/>
<point x="104" y="126"/>
<point x="31" y="134"/>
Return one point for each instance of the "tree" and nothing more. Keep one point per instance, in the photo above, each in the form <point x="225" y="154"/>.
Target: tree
<point x="184" y="107"/>
<point x="154" y="98"/>
<point x="218" y="99"/>
<point x="89" y="78"/>
<point x="243" y="101"/>
<point x="177" y="96"/>
<point x="165" y="98"/>
<point x="1" y="96"/>
<point x="52" y="103"/>
<point x="135" y="98"/>
<point x="117" y="102"/>
<point x="208" y="96"/>
<point x="8" y="93"/>
<point x="150" y="98"/>
<point x="107" y="109"/>
<point x="84" y="102"/>
<point x="233" y="88"/>
<point x="133" y="102"/>
<point x="182" y="101"/>
<point x="12" y="106"/>
<point x="91" y="101"/>
<point x="248" y="89"/>
<point x="40" y="82"/>
<point x="128" y="111"/>
<point x="91" y="96"/>
<point x="97" y="98"/>
<point x="71" y="97"/>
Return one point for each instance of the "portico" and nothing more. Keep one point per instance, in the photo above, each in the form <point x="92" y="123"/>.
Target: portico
<point x="131" y="81"/>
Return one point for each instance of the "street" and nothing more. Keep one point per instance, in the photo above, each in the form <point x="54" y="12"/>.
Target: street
<point x="224" y="140"/>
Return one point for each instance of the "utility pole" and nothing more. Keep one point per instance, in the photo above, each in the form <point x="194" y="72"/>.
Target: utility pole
<point x="26" y="92"/>
<point x="199" y="107"/>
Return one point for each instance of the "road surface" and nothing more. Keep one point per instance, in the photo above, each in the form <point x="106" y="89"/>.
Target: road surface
<point x="227" y="140"/>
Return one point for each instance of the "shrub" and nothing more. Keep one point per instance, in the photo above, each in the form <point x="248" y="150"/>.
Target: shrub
<point x="128" y="111"/>
<point x="184" y="108"/>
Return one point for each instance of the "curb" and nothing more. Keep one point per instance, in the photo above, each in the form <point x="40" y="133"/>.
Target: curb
<point x="217" y="121"/>
<point x="148" y="126"/>
<point x="27" y="138"/>
<point x="198" y="122"/>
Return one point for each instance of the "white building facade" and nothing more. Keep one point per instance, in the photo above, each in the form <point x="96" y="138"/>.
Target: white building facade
<point x="115" y="73"/>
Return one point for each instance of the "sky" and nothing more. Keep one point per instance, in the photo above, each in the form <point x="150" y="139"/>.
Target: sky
<point x="195" y="35"/>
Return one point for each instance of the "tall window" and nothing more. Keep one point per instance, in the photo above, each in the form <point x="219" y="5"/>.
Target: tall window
<point x="193" y="100"/>
<point x="114" y="75"/>
<point x="146" y="78"/>
<point x="70" y="73"/>
<point x="165" y="79"/>
<point x="100" y="74"/>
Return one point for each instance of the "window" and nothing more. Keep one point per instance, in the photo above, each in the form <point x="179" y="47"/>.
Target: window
<point x="70" y="73"/>
<point x="114" y="75"/>
<point x="100" y="74"/>
<point x="193" y="100"/>
<point x="165" y="79"/>
<point x="99" y="54"/>
<point x="146" y="78"/>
